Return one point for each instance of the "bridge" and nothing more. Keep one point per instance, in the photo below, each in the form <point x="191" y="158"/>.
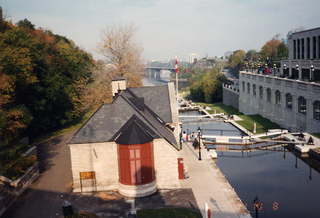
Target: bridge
<point x="157" y="72"/>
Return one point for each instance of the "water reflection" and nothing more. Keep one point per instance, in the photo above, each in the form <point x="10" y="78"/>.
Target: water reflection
<point x="279" y="177"/>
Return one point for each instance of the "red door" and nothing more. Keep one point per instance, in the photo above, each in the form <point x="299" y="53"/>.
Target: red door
<point x="136" y="165"/>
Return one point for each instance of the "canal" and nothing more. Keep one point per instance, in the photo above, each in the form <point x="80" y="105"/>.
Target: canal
<point x="284" y="184"/>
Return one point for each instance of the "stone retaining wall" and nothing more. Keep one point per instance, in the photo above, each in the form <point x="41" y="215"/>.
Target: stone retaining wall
<point x="11" y="189"/>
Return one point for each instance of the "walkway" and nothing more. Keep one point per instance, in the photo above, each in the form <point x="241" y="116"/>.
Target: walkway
<point x="210" y="186"/>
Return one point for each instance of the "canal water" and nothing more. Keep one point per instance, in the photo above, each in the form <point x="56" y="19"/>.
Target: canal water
<point x="284" y="184"/>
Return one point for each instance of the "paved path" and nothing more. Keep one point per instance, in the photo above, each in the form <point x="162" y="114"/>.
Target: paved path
<point x="43" y="199"/>
<point x="210" y="186"/>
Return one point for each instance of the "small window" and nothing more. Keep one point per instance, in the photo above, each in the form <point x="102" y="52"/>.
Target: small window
<point x="261" y="92"/>
<point x="268" y="95"/>
<point x="278" y="97"/>
<point x="248" y="88"/>
<point x="243" y="86"/>
<point x="254" y="92"/>
<point x="316" y="110"/>
<point x="289" y="101"/>
<point x="302" y="105"/>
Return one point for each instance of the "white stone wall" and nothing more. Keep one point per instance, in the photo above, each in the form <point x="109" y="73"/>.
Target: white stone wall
<point x="102" y="158"/>
<point x="166" y="164"/>
<point x="288" y="118"/>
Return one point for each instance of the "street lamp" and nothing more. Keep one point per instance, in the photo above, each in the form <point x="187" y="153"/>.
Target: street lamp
<point x="311" y="72"/>
<point x="199" y="137"/>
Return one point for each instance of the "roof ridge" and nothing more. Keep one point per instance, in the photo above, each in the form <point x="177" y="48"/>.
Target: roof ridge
<point x="141" y="114"/>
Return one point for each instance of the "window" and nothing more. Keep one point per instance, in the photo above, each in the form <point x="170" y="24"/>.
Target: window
<point x="316" y="110"/>
<point x="302" y="105"/>
<point x="314" y="45"/>
<point x="243" y="86"/>
<point x="261" y="92"/>
<point x="248" y="88"/>
<point x="268" y="95"/>
<point x="278" y="97"/>
<point x="298" y="48"/>
<point x="289" y="101"/>
<point x="294" y="49"/>
<point x="302" y="48"/>
<point x="308" y="48"/>
<point x="318" y="47"/>
<point x="254" y="92"/>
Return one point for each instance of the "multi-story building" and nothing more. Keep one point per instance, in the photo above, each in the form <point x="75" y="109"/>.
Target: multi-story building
<point x="292" y="99"/>
<point x="304" y="56"/>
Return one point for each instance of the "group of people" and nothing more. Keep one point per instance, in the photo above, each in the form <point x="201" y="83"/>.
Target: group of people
<point x="193" y="137"/>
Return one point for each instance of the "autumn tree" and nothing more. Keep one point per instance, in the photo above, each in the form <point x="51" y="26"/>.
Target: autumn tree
<point x="120" y="50"/>
<point x="236" y="60"/>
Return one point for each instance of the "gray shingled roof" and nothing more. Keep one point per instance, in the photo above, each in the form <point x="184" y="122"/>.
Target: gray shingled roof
<point x="157" y="98"/>
<point x="108" y="120"/>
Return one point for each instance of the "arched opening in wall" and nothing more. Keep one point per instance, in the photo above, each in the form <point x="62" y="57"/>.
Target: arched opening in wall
<point x="302" y="105"/>
<point x="316" y="110"/>
<point x="248" y="88"/>
<point x="268" y="95"/>
<point x="278" y="97"/>
<point x="254" y="91"/>
<point x="243" y="86"/>
<point x="261" y="92"/>
<point x="289" y="101"/>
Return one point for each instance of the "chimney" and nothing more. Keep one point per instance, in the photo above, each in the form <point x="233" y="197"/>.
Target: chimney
<point x="118" y="85"/>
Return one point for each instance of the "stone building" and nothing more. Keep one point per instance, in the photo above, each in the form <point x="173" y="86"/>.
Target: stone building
<point x="129" y="145"/>
<point x="304" y="56"/>
<point x="291" y="98"/>
<point x="293" y="104"/>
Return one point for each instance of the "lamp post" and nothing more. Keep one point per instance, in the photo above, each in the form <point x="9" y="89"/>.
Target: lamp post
<point x="311" y="72"/>
<point x="199" y="137"/>
<point x="284" y="69"/>
<point x="297" y="69"/>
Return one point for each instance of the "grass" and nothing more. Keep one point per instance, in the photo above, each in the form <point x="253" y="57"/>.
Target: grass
<point x="220" y="108"/>
<point x="262" y="124"/>
<point x="168" y="213"/>
<point x="316" y="135"/>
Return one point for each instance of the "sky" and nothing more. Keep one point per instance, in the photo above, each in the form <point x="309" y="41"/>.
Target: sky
<point x="169" y="28"/>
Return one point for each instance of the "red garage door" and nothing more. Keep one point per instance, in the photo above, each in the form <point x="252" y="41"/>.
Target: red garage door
<point x="136" y="165"/>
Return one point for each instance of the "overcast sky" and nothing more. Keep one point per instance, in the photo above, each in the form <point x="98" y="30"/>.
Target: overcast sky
<point x="168" y="28"/>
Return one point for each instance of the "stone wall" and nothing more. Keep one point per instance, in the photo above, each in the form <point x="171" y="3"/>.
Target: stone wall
<point x="278" y="112"/>
<point x="230" y="96"/>
<point x="10" y="190"/>
<point x="102" y="158"/>
<point x="166" y="164"/>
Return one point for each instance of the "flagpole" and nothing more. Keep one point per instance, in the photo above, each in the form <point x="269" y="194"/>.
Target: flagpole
<point x="177" y="70"/>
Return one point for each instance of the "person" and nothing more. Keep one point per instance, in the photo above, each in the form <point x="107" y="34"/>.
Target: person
<point x="184" y="136"/>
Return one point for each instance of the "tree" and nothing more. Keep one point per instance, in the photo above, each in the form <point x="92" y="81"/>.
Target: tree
<point x="282" y="51"/>
<point x="119" y="49"/>
<point x="269" y="50"/>
<point x="236" y="60"/>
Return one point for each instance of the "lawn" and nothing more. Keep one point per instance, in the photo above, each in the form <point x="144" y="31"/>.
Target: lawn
<point x="262" y="124"/>
<point x="168" y="213"/>
<point x="316" y="135"/>
<point x="220" y="108"/>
